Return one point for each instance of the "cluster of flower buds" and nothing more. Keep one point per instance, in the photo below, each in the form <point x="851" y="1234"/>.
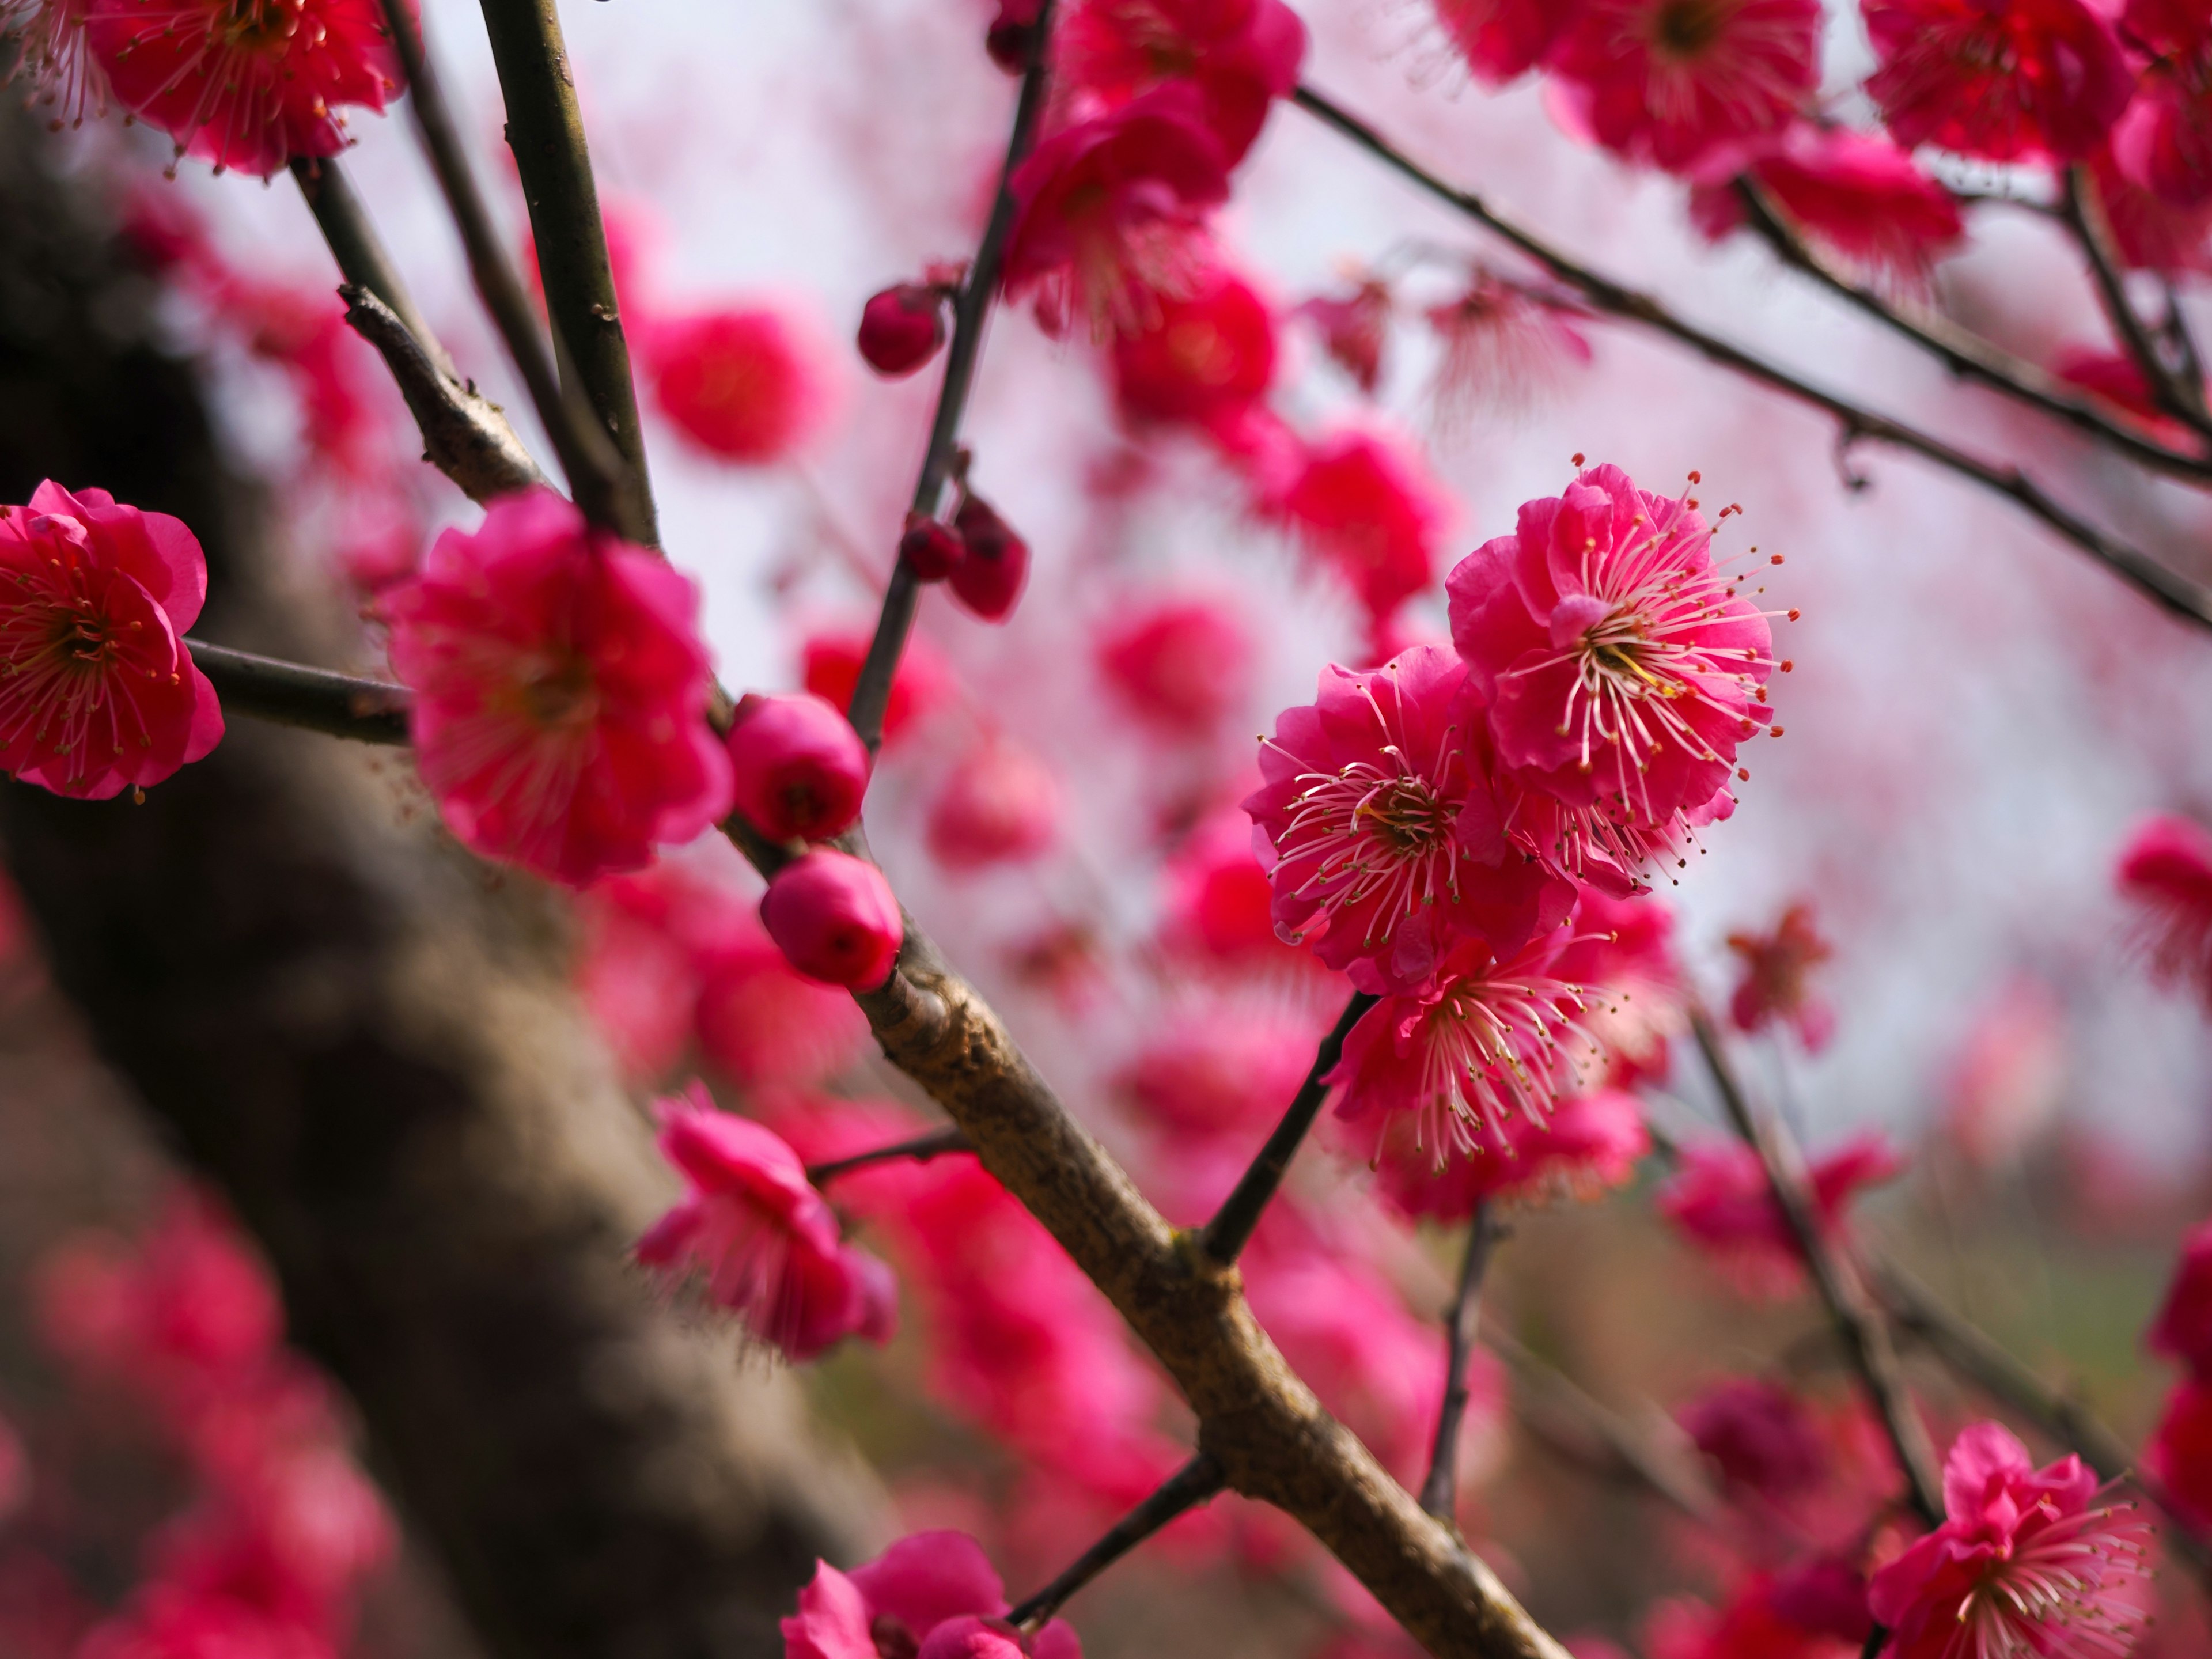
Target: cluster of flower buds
<point x="978" y="555"/>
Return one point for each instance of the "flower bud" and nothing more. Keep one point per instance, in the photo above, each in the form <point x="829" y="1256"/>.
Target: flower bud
<point x="902" y="328"/>
<point x="932" y="549"/>
<point x="834" y="917"/>
<point x="801" y="769"/>
<point x="1007" y="40"/>
<point x="990" y="579"/>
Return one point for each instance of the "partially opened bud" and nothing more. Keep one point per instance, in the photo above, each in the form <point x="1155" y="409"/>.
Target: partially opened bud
<point x="801" y="769"/>
<point x="990" y="579"/>
<point x="834" y="917"/>
<point x="931" y="548"/>
<point x="902" y="328"/>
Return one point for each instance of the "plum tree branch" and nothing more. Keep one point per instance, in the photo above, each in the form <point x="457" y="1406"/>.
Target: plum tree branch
<point x="1462" y="1319"/>
<point x="2083" y="207"/>
<point x="971" y="312"/>
<point x="938" y="1143"/>
<point x="315" y="699"/>
<point x="362" y="257"/>
<point x="2177" y="593"/>
<point x="1196" y="1482"/>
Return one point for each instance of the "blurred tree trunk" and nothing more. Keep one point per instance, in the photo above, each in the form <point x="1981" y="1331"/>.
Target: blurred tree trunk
<point x="368" y="1041"/>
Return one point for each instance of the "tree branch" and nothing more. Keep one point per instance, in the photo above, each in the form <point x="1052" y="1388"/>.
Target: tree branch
<point x="545" y="130"/>
<point x="594" y="470"/>
<point x="2177" y="593"/>
<point x="938" y="1143"/>
<point x="1865" y="1336"/>
<point x="315" y="699"/>
<point x="2084" y="209"/>
<point x="1231" y="1230"/>
<point x="1196" y="1482"/>
<point x="360" y="252"/>
<point x="1440" y="1491"/>
<point x="872" y="691"/>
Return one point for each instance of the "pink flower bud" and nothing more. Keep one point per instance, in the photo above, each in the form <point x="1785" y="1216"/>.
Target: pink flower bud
<point x="834" y="917"/>
<point x="801" y="769"/>
<point x="990" y="579"/>
<point x="1007" y="40"/>
<point x="902" y="327"/>
<point x="931" y="548"/>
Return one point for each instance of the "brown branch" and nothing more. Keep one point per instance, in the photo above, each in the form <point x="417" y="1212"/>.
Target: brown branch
<point x="872" y="691"/>
<point x="360" y="252"/>
<point x="1196" y="1482"/>
<point x="1964" y="352"/>
<point x="1440" y="1491"/>
<point x="938" y="1143"/>
<point x="1231" y="1230"/>
<point x="465" y="434"/>
<point x="315" y="699"/>
<point x="545" y="130"/>
<point x="2084" y="209"/>
<point x="2177" y="593"/>
<point x="1866" y="1337"/>
<point x="594" y="470"/>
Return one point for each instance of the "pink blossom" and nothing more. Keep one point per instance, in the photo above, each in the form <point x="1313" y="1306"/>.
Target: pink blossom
<point x="1503" y="346"/>
<point x="1355" y="329"/>
<point x="765" y="1027"/>
<point x="799" y="767"/>
<point x="52" y="52"/>
<point x="1220" y="901"/>
<point x="1759" y="1438"/>
<point x="2148" y="232"/>
<point x="2004" y="79"/>
<point x="2165" y="871"/>
<point x="1238" y="56"/>
<point x="1668" y="81"/>
<point x="926" y="1586"/>
<point x="835" y="919"/>
<point x="1364" y="511"/>
<point x="560" y="692"/>
<point x="1752" y="1625"/>
<point x="747" y="383"/>
<point x="97" y="692"/>
<point x="1218" y="1072"/>
<point x="2164" y="140"/>
<point x="1720" y="1200"/>
<point x="1854" y="193"/>
<point x="1386" y="840"/>
<point x="1622" y="949"/>
<point x="1207" y="355"/>
<point x="2027" y="1561"/>
<point x="1777" y="981"/>
<point x="1110" y="212"/>
<point x="1586" y="1144"/>
<point x="762" y="1239"/>
<point x="1181" y="665"/>
<point x="2007" y="1079"/>
<point x="830" y="668"/>
<point x="2178" y="1455"/>
<point x="1001" y="804"/>
<point x="248" y="89"/>
<point x="2182" y="1328"/>
<point x="1620" y="665"/>
<point x="2118" y="379"/>
<point x="1501" y="40"/>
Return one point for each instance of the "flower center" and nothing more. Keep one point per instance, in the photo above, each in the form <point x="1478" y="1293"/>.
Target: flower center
<point x="561" y="694"/>
<point x="1685" y="29"/>
<point x="1407" y="816"/>
<point x="257" y="25"/>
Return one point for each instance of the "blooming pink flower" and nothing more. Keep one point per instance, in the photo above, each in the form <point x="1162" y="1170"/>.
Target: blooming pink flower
<point x="2182" y="1328"/>
<point x="1620" y="666"/>
<point x="834" y="917"/>
<point x="97" y="689"/>
<point x="745" y="383"/>
<point x="2005" y="80"/>
<point x="1111" y="210"/>
<point x="1759" y="1438"/>
<point x="763" y="1026"/>
<point x="1355" y="328"/>
<point x="928" y="1586"/>
<point x="247" y="86"/>
<point x="1720" y="1200"/>
<point x="1387" y="842"/>
<point x="2178" y="1455"/>
<point x="1777" y="981"/>
<point x="2166" y="870"/>
<point x="1206" y="355"/>
<point x="1755" y="1624"/>
<point x="1668" y="81"/>
<point x="1852" y="193"/>
<point x="1238" y="56"/>
<point x="764" y="1240"/>
<point x="999" y="805"/>
<point x="1364" y="511"/>
<point x="1501" y="40"/>
<point x="2164" y="140"/>
<point x="830" y="669"/>
<point x="1220" y="901"/>
<point x="1586" y="1144"/>
<point x="1218" y="1073"/>
<point x="638" y="974"/>
<point x="1621" y="951"/>
<point x="799" y="769"/>
<point x="2027" y="1561"/>
<point x="1181" y="665"/>
<point x="2148" y="232"/>
<point x="560" y="692"/>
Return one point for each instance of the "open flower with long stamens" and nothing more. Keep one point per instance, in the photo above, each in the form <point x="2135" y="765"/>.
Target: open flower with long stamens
<point x="97" y="689"/>
<point x="1485" y="1041"/>
<point x="1385" y="841"/>
<point x="1620" y="667"/>
<point x="46" y="47"/>
<point x="2029" y="1563"/>
<point x="2003" y="80"/>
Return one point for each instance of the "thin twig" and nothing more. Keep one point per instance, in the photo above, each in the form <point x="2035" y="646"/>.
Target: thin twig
<point x="592" y="467"/>
<point x="1877" y="1638"/>
<point x="465" y="434"/>
<point x="1440" y="1491"/>
<point x="1964" y="353"/>
<point x="2177" y="593"/>
<point x="872" y="691"/>
<point x="1865" y="1335"/>
<point x="1231" y="1230"/>
<point x="938" y="1143"/>
<point x="2179" y="336"/>
<point x="291" y="694"/>
<point x="360" y="252"/>
<point x="2084" y="206"/>
<point x="1195" y="1483"/>
<point x="545" y="130"/>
